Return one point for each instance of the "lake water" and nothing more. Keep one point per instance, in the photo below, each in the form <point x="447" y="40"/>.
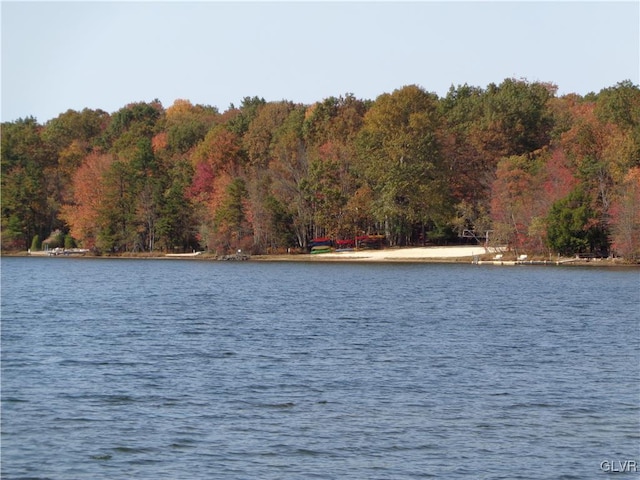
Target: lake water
<point x="153" y="369"/>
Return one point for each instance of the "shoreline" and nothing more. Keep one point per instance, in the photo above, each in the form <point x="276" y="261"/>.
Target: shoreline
<point x="475" y="254"/>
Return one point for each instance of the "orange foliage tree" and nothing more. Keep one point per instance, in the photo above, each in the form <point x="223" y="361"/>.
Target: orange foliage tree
<point x="83" y="215"/>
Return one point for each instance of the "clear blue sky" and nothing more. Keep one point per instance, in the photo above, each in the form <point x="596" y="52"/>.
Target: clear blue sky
<point x="59" y="56"/>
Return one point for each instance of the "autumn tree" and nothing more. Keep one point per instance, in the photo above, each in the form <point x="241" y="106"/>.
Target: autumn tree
<point x="25" y="158"/>
<point x="86" y="215"/>
<point x="515" y="117"/>
<point x="217" y="161"/>
<point x="258" y="139"/>
<point x="626" y="217"/>
<point x="515" y="205"/>
<point x="330" y="129"/>
<point x="471" y="167"/>
<point x="136" y="119"/>
<point x="134" y="183"/>
<point x="325" y="189"/>
<point x="601" y="154"/>
<point x="271" y="221"/>
<point x="289" y="167"/>
<point x="620" y="105"/>
<point x="71" y="136"/>
<point x="81" y="127"/>
<point x="249" y="108"/>
<point x="485" y="125"/>
<point x="400" y="160"/>
<point x="187" y="125"/>
<point x="231" y="226"/>
<point x="148" y="183"/>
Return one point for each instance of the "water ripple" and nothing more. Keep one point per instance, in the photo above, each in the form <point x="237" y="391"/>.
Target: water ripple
<point x="353" y="371"/>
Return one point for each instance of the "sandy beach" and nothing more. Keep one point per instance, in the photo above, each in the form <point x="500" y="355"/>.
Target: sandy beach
<point x="409" y="254"/>
<point x="415" y="253"/>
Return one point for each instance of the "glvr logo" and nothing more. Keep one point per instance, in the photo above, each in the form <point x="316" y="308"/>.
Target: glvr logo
<point x="617" y="466"/>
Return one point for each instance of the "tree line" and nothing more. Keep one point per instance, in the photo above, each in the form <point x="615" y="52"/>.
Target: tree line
<point x="513" y="163"/>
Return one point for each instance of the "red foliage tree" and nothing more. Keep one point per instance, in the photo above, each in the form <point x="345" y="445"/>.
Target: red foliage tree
<point x="516" y="208"/>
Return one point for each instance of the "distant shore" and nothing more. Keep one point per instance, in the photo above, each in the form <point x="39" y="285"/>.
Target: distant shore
<point x="451" y="254"/>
